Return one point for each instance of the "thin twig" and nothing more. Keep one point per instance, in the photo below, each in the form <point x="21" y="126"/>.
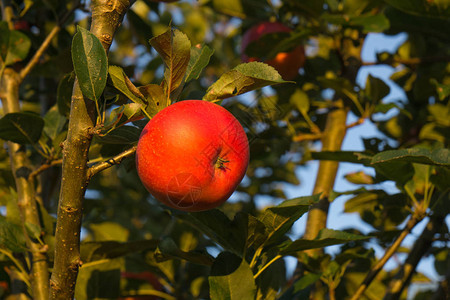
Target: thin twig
<point x="44" y="167"/>
<point x="37" y="55"/>
<point x="116" y="160"/>
<point x="356" y="123"/>
<point x="421" y="246"/>
<point x="332" y="291"/>
<point x="416" y="218"/>
<point x="307" y="137"/>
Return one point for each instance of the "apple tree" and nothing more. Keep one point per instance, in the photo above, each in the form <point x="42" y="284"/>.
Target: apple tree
<point x="79" y="80"/>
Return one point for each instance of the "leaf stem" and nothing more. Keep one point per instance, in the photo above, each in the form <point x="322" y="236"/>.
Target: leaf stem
<point x="267" y="265"/>
<point x="255" y="257"/>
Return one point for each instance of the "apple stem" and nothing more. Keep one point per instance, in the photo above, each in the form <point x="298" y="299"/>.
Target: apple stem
<point x="221" y="163"/>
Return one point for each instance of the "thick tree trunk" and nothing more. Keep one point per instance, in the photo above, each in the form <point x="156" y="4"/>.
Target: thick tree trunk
<point x="26" y="198"/>
<point x="333" y="137"/>
<point x="106" y="18"/>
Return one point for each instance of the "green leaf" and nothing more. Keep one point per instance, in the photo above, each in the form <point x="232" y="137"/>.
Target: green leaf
<point x="100" y="250"/>
<point x="14" y="45"/>
<point x="4" y="41"/>
<point x="437" y="157"/>
<point x="269" y="45"/>
<point x="155" y="98"/>
<point x="54" y="123"/>
<point x="368" y="23"/>
<point x="385" y="107"/>
<point x="108" y="231"/>
<point x="306" y="281"/>
<point x="11" y="236"/>
<point x="242" y="9"/>
<point x="279" y="219"/>
<point x="121" y="135"/>
<point x="231" y="235"/>
<point x="434" y="9"/>
<point x="19" y="45"/>
<point x="64" y="93"/>
<point x="174" y="48"/>
<point x="359" y="178"/>
<point x="364" y="201"/>
<point x="256" y="234"/>
<point x="199" y="59"/>
<point x="397" y="171"/>
<point x="167" y="249"/>
<point x="124" y="114"/>
<point x="440" y="114"/>
<point x="326" y="237"/>
<point x="354" y="7"/>
<point x="346" y="156"/>
<point x="34" y="231"/>
<point x="243" y="78"/>
<point x="139" y="24"/>
<point x="121" y="82"/>
<point x="90" y="63"/>
<point x="99" y="280"/>
<point x="443" y="90"/>
<point x="343" y="87"/>
<point x="48" y="221"/>
<point x="418" y="23"/>
<point x="21" y="128"/>
<point x="270" y="282"/>
<point x="231" y="278"/>
<point x="376" y="89"/>
<point x="301" y="100"/>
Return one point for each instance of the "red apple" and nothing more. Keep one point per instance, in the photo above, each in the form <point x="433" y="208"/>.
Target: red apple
<point x="22" y="25"/>
<point x="192" y="155"/>
<point x="286" y="63"/>
<point x="144" y="276"/>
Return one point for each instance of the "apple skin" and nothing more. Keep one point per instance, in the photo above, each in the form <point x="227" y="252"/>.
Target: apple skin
<point x="143" y="276"/>
<point x="192" y="155"/>
<point x="286" y="63"/>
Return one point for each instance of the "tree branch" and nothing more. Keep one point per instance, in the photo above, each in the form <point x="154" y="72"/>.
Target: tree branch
<point x="37" y="55"/>
<point x="421" y="246"/>
<point x="416" y="218"/>
<point x="116" y="160"/>
<point x="7" y="13"/>
<point x="443" y="289"/>
<point x="307" y="137"/>
<point x="107" y="16"/>
<point x="44" y="167"/>
<point x="332" y="137"/>
<point x="26" y="201"/>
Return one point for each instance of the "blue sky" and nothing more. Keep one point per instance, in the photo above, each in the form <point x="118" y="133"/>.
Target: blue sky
<point x="337" y="219"/>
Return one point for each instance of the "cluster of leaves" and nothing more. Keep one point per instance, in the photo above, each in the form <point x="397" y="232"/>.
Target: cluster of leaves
<point x="131" y="245"/>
